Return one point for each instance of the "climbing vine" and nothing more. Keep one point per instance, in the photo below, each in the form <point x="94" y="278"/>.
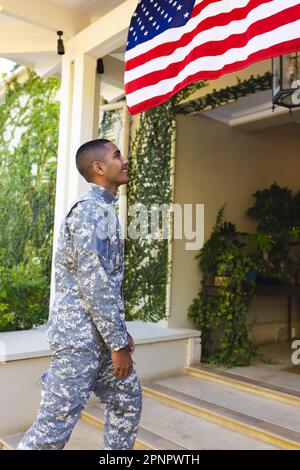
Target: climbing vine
<point x="29" y="116"/>
<point x="228" y="95"/>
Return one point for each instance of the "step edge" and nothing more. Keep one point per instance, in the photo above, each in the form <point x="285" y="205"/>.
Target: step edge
<point x="98" y="422"/>
<point x="218" y="418"/>
<point x="4" y="444"/>
<point x="257" y="388"/>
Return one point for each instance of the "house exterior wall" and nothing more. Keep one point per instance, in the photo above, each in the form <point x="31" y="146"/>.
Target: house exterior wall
<point x="216" y="164"/>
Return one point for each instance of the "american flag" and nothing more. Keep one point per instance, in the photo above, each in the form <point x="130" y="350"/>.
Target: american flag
<point x="172" y="43"/>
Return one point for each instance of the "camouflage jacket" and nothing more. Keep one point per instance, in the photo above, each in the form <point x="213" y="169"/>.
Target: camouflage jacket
<point x="89" y="269"/>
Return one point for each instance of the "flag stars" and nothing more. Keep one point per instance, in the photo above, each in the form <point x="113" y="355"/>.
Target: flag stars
<point x="161" y="15"/>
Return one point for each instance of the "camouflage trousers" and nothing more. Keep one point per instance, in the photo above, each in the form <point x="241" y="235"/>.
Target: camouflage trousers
<point x="67" y="386"/>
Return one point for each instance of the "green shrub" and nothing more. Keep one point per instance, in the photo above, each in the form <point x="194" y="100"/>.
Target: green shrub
<point x="24" y="294"/>
<point x="29" y="119"/>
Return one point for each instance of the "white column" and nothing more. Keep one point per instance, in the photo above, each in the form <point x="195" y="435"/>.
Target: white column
<point x="123" y="188"/>
<point x="80" y="95"/>
<point x="83" y="114"/>
<point x="65" y="125"/>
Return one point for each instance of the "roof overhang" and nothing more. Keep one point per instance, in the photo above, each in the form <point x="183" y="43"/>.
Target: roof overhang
<point x="28" y="34"/>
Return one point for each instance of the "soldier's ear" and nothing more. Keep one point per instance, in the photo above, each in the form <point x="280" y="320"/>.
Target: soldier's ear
<point x="99" y="167"/>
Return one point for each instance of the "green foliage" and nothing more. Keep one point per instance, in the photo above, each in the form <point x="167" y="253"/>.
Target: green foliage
<point x="274" y="209"/>
<point x="225" y="316"/>
<point x="229" y="94"/>
<point x="28" y="154"/>
<point x="223" y="234"/>
<point x="24" y="297"/>
<point x="277" y="212"/>
<point x="146" y="261"/>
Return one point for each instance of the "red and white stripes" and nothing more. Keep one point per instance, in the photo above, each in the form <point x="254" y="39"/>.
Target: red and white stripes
<point x="221" y="36"/>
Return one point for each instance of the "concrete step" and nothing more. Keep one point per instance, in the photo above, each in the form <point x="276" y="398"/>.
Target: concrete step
<point x="164" y="428"/>
<point x="10" y="442"/>
<point x="84" y="437"/>
<point x="191" y="413"/>
<point x="258" y="387"/>
<point x="88" y="434"/>
<point x="146" y="440"/>
<point x="257" y="416"/>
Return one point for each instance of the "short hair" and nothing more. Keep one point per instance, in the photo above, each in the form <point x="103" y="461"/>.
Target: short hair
<point x="86" y="155"/>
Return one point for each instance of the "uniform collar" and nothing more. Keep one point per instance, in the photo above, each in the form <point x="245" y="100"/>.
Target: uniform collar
<point x="101" y="192"/>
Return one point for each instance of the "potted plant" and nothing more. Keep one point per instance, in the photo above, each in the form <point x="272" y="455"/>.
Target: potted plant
<point x="224" y="234"/>
<point x="222" y="318"/>
<point x="276" y="210"/>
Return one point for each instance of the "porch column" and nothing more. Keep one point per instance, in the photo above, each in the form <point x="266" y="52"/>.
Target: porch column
<point x="85" y="117"/>
<point x="79" y="117"/>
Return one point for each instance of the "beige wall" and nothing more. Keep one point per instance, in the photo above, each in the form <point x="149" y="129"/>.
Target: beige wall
<point x="216" y="164"/>
<point x="158" y="354"/>
<point x="20" y="393"/>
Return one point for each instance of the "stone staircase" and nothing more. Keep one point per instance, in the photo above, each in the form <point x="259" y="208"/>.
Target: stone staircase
<point x="204" y="409"/>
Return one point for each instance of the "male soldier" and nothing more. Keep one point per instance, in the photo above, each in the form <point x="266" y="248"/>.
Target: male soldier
<point x="87" y="332"/>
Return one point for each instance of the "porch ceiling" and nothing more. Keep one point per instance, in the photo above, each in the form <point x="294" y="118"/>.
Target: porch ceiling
<point x="253" y="112"/>
<point x="91" y="8"/>
<point x="28" y="32"/>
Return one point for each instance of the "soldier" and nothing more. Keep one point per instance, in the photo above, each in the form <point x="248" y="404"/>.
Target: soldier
<point x="87" y="332"/>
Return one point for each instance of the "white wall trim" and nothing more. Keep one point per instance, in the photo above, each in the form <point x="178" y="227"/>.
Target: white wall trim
<point x="28" y="344"/>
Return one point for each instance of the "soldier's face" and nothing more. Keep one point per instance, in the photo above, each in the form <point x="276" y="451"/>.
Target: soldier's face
<point x="116" y="166"/>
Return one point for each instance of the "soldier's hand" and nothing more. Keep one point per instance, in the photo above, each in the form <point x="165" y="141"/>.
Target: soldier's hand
<point x="131" y="345"/>
<point x="122" y="362"/>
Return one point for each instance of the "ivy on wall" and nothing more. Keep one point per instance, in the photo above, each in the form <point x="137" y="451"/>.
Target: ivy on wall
<point x="29" y="117"/>
<point x="228" y="95"/>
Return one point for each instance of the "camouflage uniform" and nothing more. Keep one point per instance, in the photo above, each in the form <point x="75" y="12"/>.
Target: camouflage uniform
<point x="86" y="325"/>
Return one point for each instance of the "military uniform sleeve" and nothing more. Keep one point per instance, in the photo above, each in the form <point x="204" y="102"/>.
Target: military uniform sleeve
<point x="98" y="291"/>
